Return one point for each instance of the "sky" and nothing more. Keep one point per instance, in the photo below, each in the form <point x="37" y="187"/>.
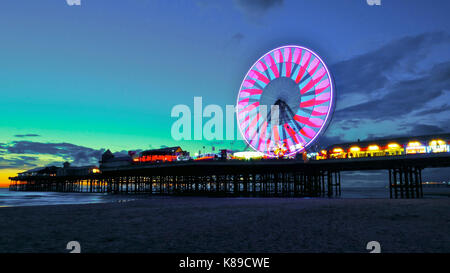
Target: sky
<point x="77" y="80"/>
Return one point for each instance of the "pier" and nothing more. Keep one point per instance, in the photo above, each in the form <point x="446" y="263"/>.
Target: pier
<point x="282" y="178"/>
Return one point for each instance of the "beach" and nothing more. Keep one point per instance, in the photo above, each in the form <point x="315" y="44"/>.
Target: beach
<point x="203" y="225"/>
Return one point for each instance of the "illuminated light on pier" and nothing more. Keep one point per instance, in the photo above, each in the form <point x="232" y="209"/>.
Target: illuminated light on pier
<point x="354" y="151"/>
<point x="388" y="147"/>
<point x="414" y="144"/>
<point x="393" y="146"/>
<point x="337" y="152"/>
<point x="394" y="149"/>
<point x="373" y="148"/>
<point x="248" y="155"/>
<point x="438" y="146"/>
<point x="415" y="147"/>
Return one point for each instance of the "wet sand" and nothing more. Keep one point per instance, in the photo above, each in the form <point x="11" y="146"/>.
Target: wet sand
<point x="201" y="224"/>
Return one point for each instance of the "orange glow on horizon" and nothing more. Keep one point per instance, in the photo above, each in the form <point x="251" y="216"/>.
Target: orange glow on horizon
<point x="4" y="174"/>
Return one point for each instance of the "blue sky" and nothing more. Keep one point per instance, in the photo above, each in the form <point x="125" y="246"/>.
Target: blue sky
<point x="106" y="74"/>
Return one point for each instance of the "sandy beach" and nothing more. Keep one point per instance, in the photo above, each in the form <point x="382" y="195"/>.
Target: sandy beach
<point x="201" y="224"/>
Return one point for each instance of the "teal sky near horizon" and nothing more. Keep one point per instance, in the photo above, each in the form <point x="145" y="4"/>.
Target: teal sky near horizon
<point x="106" y="74"/>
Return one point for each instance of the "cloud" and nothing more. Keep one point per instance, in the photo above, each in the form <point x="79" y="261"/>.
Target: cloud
<point x="436" y="110"/>
<point x="327" y="140"/>
<point x="257" y="5"/>
<point x="78" y="155"/>
<point x="126" y="153"/>
<point x="17" y="163"/>
<point x="425" y="129"/>
<point x="374" y="70"/>
<point x="253" y="9"/>
<point x="237" y="38"/>
<point x="411" y="129"/>
<point x="404" y="97"/>
<point x="29" y="158"/>
<point x="27" y="135"/>
<point x="399" y="89"/>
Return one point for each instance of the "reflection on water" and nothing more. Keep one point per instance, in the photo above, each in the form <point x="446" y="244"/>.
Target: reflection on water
<point x="383" y="192"/>
<point x="364" y="192"/>
<point x="14" y="198"/>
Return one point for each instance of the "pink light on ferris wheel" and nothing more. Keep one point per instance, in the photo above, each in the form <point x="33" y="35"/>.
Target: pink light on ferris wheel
<point x="295" y="80"/>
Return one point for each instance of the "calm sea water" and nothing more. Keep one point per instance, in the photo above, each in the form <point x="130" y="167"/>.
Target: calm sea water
<point x="383" y="192"/>
<point x="364" y="192"/>
<point x="14" y="198"/>
<point x="17" y="198"/>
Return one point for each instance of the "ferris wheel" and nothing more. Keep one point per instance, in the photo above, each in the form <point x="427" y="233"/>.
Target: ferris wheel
<point x="285" y="101"/>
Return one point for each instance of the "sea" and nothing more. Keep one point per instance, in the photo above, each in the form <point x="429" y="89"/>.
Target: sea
<point x="19" y="198"/>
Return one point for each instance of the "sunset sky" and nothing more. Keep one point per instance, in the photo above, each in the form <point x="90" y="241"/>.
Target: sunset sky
<point x="76" y="80"/>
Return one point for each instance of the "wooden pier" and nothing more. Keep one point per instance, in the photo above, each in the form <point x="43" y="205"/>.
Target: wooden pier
<point x="405" y="182"/>
<point x="282" y="178"/>
<point x="282" y="184"/>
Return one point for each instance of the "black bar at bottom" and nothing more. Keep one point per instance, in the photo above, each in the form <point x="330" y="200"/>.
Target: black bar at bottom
<point x="239" y="262"/>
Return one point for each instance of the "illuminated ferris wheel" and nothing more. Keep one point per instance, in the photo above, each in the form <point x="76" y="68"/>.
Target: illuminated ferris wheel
<point x="285" y="101"/>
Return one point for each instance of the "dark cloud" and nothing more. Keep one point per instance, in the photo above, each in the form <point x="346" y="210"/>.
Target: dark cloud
<point x="392" y="86"/>
<point x="255" y="8"/>
<point x="78" y="155"/>
<point x="126" y="153"/>
<point x="436" y="110"/>
<point x="370" y="71"/>
<point x="405" y="96"/>
<point x="27" y="135"/>
<point x="327" y="140"/>
<point x="424" y="129"/>
<point x="404" y="130"/>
